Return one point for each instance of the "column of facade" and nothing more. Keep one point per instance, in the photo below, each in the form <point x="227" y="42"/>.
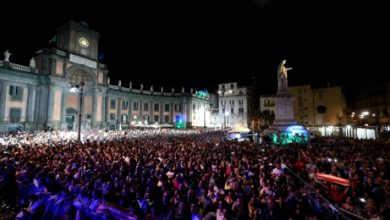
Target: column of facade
<point x="162" y="118"/>
<point x="94" y="107"/>
<point x="106" y="110"/>
<point x="141" y="110"/>
<point x="118" y="112"/>
<point x="50" y="108"/>
<point x="63" y="109"/>
<point x="183" y="112"/>
<point x="3" y="101"/>
<point x="172" y="110"/>
<point x="151" y="111"/>
<point x="130" y="111"/>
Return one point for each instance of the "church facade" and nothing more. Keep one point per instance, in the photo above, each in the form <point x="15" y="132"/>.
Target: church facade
<point x="39" y="96"/>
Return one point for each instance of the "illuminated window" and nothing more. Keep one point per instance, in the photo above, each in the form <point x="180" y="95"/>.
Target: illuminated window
<point x="135" y="106"/>
<point x="125" y="104"/>
<point x="124" y="118"/>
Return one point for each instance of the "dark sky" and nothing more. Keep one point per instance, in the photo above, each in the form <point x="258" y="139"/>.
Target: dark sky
<point x="199" y="44"/>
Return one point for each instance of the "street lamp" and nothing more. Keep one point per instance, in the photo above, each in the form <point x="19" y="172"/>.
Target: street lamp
<point x="79" y="89"/>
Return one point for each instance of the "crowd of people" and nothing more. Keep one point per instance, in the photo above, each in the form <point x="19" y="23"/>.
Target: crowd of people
<point x="189" y="174"/>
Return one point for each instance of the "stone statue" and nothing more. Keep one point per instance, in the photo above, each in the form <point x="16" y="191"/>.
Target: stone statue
<point x="192" y="90"/>
<point x="119" y="83"/>
<point x="282" y="75"/>
<point x="130" y="85"/>
<point x="151" y="88"/>
<point x="182" y="90"/>
<point x="32" y="63"/>
<point x="141" y="86"/>
<point x="162" y="89"/>
<point x="108" y="80"/>
<point x="173" y="90"/>
<point x="7" y="54"/>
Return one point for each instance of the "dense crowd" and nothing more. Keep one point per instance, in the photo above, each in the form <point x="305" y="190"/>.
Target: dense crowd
<point x="187" y="174"/>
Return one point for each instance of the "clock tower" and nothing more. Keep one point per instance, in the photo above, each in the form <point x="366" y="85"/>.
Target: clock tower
<point x="79" y="39"/>
<point x="74" y="61"/>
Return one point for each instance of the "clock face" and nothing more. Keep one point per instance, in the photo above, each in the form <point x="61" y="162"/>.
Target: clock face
<point x="83" y="42"/>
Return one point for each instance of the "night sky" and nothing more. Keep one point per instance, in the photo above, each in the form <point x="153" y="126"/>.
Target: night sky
<point x="198" y="44"/>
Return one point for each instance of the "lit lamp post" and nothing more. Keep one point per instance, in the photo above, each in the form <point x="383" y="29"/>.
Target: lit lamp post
<point x="79" y="89"/>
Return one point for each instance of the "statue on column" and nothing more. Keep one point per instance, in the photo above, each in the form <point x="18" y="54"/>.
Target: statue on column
<point x="162" y="89"/>
<point x="130" y="85"/>
<point x="7" y="54"/>
<point x="32" y="63"/>
<point x="141" y="87"/>
<point x="282" y="75"/>
<point x="173" y="90"/>
<point x="182" y="90"/>
<point x="119" y="83"/>
<point x="151" y="88"/>
<point x="108" y="80"/>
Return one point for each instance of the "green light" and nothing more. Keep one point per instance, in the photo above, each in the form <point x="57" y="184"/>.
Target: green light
<point x="180" y="124"/>
<point x="202" y="93"/>
<point x="288" y="138"/>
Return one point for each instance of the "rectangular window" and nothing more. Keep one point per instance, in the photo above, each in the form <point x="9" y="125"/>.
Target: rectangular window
<point x="166" y="118"/>
<point x="125" y="104"/>
<point x="16" y="93"/>
<point x="156" y="107"/>
<point x="146" y="107"/>
<point x="15" y="114"/>
<point x="112" y="104"/>
<point x="241" y="110"/>
<point x="135" y="106"/>
<point x="232" y="111"/>
<point x="112" y="116"/>
<point x="167" y="107"/>
<point x="124" y="118"/>
<point x="156" y="118"/>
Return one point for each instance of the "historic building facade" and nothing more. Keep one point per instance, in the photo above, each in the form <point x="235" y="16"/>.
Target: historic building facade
<point x="38" y="96"/>
<point x="234" y="106"/>
<point x="313" y="107"/>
